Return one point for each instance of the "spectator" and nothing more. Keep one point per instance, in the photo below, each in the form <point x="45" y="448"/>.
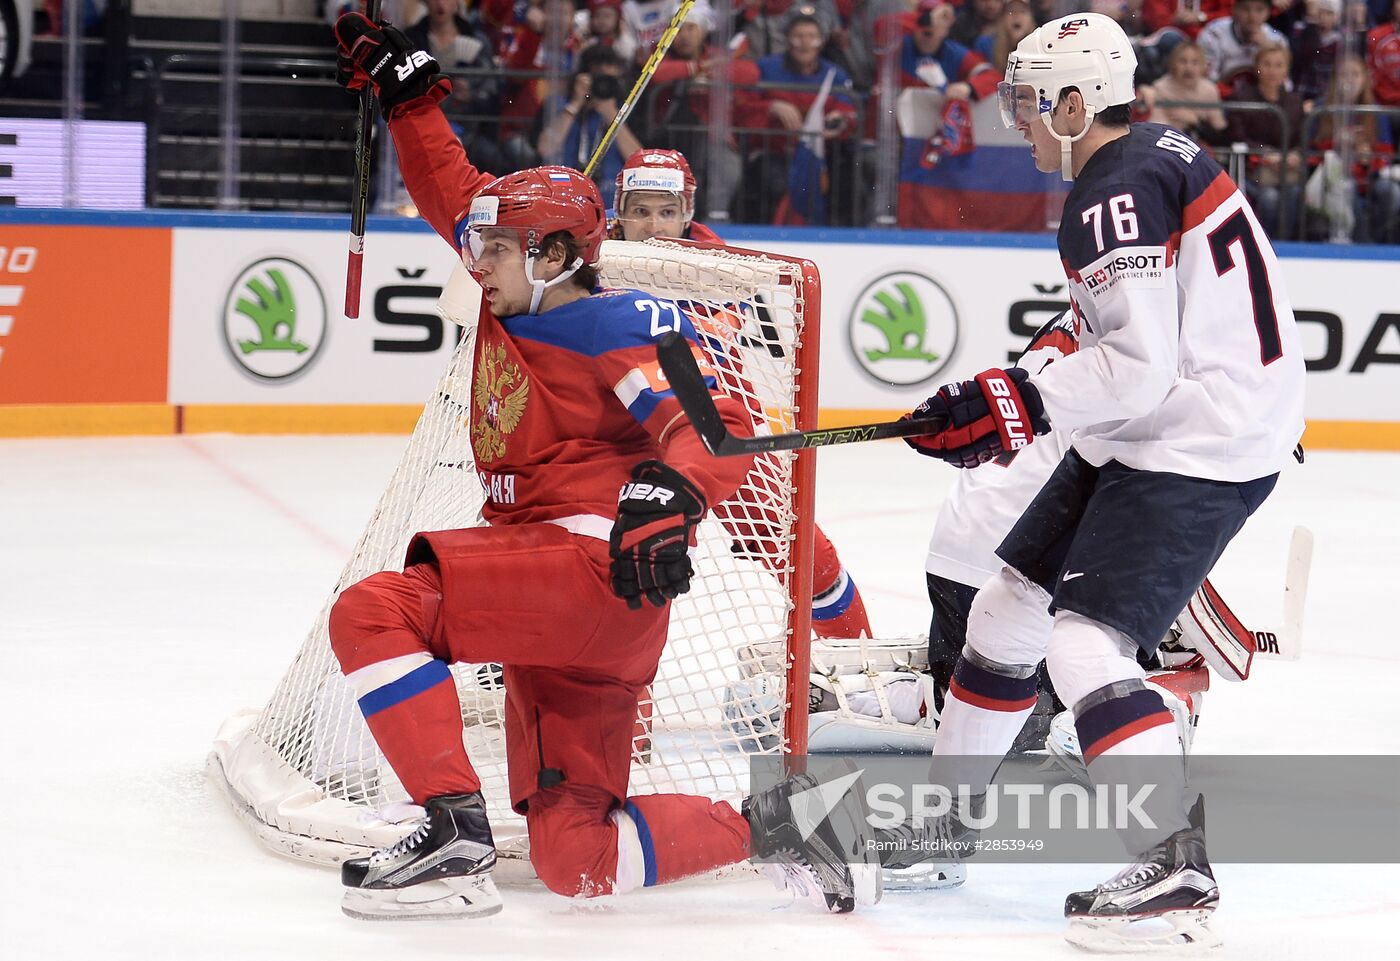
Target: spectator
<point x="1273" y="184"/>
<point x="930" y="58"/>
<point x="1014" y="24"/>
<point x="648" y="20"/>
<point x="543" y="42"/>
<point x="977" y="19"/>
<point x="1383" y="58"/>
<point x="681" y="114"/>
<point x="1315" y="40"/>
<point x="1166" y="23"/>
<point x="1185" y="18"/>
<point x="596" y="92"/>
<point x="1127" y="13"/>
<point x="1376" y="191"/>
<point x="1047" y="10"/>
<point x="457" y="46"/>
<point x="765" y="23"/>
<point x="501" y="20"/>
<point x="801" y="66"/>
<point x="1230" y="43"/>
<point x="603" y="24"/>
<point x="1186" y="81"/>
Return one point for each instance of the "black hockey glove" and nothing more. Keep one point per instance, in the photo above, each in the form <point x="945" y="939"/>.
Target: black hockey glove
<point x="995" y="412"/>
<point x="379" y="54"/>
<point x="656" y="517"/>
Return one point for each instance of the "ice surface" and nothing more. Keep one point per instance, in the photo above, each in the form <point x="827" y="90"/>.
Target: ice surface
<point x="149" y="587"/>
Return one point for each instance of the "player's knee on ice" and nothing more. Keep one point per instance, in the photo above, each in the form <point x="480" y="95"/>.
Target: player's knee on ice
<point x="573" y="841"/>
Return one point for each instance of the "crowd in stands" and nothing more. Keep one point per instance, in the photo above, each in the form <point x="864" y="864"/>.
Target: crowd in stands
<point x="780" y="107"/>
<point x="801" y="82"/>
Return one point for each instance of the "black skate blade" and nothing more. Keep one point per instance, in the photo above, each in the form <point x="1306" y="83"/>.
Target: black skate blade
<point x="840" y="903"/>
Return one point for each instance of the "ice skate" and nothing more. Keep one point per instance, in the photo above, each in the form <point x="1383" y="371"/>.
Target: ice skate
<point x="1164" y="900"/>
<point x="812" y="842"/>
<point x="441" y="870"/>
<point x="927" y="854"/>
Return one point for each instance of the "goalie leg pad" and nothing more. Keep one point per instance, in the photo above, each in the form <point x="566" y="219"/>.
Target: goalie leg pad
<point x="872" y="712"/>
<point x="1212" y="629"/>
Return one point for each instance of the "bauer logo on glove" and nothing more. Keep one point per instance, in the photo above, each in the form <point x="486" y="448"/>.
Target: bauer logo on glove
<point x="365" y="52"/>
<point x="657" y="512"/>
<point x="995" y="412"/>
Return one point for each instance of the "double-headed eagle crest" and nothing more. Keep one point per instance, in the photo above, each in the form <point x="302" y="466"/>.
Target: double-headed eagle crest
<point x="499" y="393"/>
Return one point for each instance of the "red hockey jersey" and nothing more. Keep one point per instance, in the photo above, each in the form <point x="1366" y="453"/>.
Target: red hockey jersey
<point x="564" y="403"/>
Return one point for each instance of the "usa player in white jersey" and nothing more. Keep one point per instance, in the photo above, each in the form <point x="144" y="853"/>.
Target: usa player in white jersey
<point x="1185" y="399"/>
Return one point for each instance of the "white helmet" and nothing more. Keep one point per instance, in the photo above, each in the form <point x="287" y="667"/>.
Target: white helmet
<point x="1087" y="51"/>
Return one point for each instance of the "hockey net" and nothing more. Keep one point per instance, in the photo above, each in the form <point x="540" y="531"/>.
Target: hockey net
<point x="304" y="771"/>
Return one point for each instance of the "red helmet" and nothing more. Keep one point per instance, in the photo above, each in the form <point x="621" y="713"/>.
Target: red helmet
<point x="536" y="203"/>
<point x="662" y="171"/>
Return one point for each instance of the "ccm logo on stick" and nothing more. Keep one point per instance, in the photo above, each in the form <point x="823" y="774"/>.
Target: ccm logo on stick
<point x="639" y="491"/>
<point x="1011" y="417"/>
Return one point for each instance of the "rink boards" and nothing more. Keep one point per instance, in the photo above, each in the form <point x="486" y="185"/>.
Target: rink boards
<point x="166" y="322"/>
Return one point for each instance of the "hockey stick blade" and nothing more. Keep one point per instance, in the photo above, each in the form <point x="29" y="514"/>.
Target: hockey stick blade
<point x="683" y="374"/>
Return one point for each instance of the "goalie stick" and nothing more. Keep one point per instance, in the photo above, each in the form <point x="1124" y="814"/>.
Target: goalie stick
<point x="683" y="374"/>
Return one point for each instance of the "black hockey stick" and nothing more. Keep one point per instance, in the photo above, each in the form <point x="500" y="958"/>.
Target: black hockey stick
<point x="359" y="201"/>
<point x="683" y="374"/>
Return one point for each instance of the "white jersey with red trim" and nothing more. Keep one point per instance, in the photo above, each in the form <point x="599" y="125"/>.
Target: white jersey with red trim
<point x="1189" y="359"/>
<point x="984" y="503"/>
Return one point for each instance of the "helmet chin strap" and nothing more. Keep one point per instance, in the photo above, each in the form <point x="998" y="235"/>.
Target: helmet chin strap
<point x="540" y="286"/>
<point x="1067" y="143"/>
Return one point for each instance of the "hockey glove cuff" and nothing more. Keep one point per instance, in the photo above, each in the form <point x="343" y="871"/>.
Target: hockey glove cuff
<point x="379" y="54"/>
<point x="657" y="513"/>
<point x="995" y="412"/>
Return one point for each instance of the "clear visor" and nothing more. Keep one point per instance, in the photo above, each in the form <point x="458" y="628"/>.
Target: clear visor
<point x="1018" y="103"/>
<point x="489" y="245"/>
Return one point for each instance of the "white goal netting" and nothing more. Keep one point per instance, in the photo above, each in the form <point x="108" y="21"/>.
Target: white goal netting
<point x="304" y="771"/>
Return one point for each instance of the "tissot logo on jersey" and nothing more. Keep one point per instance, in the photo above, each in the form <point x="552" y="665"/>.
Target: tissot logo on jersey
<point x="1128" y="267"/>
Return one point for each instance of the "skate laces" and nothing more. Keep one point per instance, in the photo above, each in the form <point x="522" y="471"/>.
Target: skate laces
<point x="404" y="844"/>
<point x="793" y="874"/>
<point x="1132" y="875"/>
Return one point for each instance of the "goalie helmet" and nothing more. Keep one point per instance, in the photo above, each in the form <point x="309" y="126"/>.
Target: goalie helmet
<point x="660" y="171"/>
<point x="535" y="203"/>
<point x="1087" y="51"/>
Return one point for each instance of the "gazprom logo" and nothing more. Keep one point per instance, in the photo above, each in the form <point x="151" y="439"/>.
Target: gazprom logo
<point x="641" y="178"/>
<point x="483" y="211"/>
